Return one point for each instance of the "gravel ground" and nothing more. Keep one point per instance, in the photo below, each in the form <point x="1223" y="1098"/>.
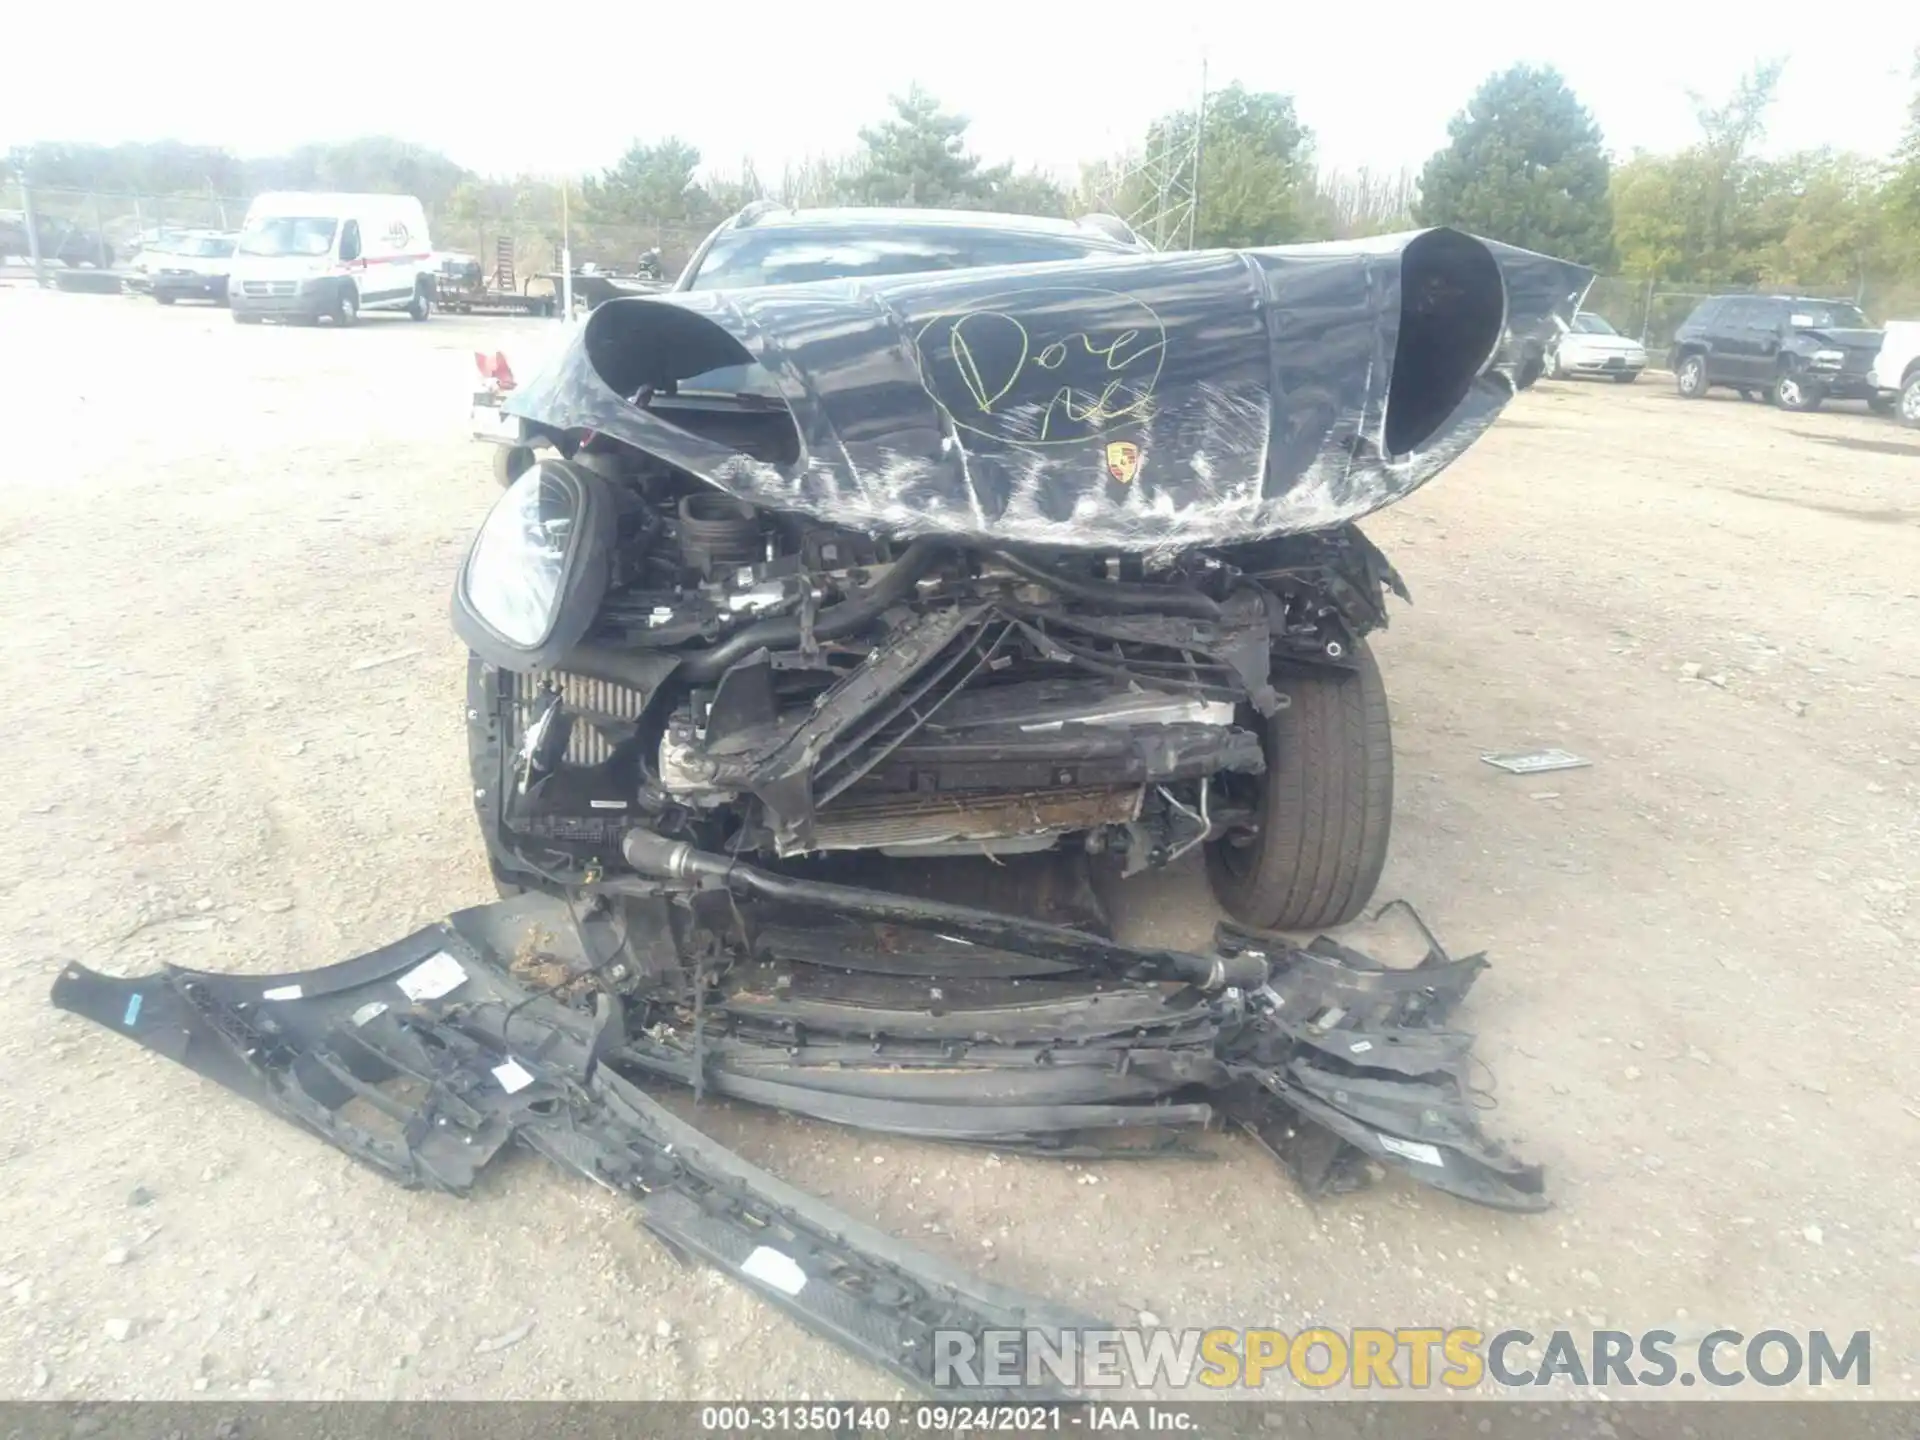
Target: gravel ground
<point x="236" y="704"/>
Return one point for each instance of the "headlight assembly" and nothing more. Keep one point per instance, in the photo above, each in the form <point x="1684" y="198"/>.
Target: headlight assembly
<point x="537" y="571"/>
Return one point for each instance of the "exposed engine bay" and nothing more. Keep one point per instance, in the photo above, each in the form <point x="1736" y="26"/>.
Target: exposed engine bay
<point x="983" y="563"/>
<point x="754" y="682"/>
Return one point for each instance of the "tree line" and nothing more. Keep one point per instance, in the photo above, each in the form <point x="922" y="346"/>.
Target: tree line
<point x="1525" y="162"/>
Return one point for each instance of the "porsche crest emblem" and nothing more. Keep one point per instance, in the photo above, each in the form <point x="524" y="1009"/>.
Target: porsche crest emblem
<point x="1123" y="460"/>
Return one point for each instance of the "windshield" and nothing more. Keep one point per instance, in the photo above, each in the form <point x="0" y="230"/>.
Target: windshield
<point x="1828" y="315"/>
<point x="790" y="255"/>
<point x="1586" y="324"/>
<point x="289" y="235"/>
<point x="211" y="247"/>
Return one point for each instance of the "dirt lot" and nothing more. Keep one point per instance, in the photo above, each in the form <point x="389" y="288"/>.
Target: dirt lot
<point x="235" y="705"/>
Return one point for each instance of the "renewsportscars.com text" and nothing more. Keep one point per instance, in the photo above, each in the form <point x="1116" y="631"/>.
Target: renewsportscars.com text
<point x="1408" y="1358"/>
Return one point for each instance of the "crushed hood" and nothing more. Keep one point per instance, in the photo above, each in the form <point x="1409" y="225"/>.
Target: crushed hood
<point x="1141" y="402"/>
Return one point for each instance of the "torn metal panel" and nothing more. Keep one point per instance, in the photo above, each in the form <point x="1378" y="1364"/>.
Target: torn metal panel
<point x="1139" y="401"/>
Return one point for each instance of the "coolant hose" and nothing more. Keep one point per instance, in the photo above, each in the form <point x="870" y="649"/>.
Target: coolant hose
<point x="830" y="624"/>
<point x="1112" y="594"/>
<point x="655" y="856"/>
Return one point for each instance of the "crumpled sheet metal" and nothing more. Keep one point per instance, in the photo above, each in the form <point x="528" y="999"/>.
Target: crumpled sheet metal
<point x="1144" y="403"/>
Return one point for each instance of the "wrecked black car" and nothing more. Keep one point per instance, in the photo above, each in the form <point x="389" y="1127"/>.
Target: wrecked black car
<point x="965" y="561"/>
<point x="980" y="560"/>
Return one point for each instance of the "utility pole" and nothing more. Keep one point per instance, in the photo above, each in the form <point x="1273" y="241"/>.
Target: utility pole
<point x="1199" y="153"/>
<point x="33" y="232"/>
<point x="566" y="251"/>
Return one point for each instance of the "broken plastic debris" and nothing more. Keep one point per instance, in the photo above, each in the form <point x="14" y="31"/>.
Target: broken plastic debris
<point x="1308" y="1097"/>
<point x="1533" y="762"/>
<point x="512" y="1076"/>
<point x="505" y="1341"/>
<point x="433" y="977"/>
<point x="374" y="662"/>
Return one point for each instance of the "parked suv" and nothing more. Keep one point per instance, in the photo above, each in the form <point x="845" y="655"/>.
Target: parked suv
<point x="1797" y="352"/>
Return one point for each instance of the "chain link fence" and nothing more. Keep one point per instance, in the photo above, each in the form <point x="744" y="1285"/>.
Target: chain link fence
<point x="535" y="244"/>
<point x="106" y="230"/>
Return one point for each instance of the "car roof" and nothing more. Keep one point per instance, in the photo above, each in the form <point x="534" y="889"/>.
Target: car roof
<point x="871" y="218"/>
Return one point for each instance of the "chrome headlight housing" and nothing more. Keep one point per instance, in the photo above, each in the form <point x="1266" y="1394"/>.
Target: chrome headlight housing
<point x="536" y="573"/>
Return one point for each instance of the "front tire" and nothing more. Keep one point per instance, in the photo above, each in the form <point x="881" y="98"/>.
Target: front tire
<point x="1882" y="403"/>
<point x="1324" y="806"/>
<point x="1793" y="391"/>
<point x="510" y="462"/>
<point x="421" y="305"/>
<point x="1691" y="378"/>
<point x="1909" y="407"/>
<point x="164" y="299"/>
<point x="346" y="306"/>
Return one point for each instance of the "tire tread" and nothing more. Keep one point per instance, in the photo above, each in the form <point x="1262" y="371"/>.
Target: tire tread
<point x="1329" y="806"/>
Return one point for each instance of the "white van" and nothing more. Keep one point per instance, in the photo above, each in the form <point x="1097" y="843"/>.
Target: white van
<point x="302" y="257"/>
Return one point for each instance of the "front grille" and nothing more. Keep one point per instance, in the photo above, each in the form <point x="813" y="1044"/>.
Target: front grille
<point x="602" y="698"/>
<point x="270" y="289"/>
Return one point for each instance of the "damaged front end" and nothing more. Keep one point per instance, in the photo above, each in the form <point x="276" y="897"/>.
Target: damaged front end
<point x="539" y="1022"/>
<point x="1057" y="556"/>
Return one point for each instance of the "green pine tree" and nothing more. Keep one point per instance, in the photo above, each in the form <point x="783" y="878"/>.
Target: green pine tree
<point x="1525" y="165"/>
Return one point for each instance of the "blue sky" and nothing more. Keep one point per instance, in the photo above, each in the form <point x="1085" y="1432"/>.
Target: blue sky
<point x="1045" y="85"/>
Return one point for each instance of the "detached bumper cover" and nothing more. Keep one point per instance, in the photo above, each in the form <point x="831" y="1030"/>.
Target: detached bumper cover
<point x="429" y="1090"/>
<point x="426" y="1058"/>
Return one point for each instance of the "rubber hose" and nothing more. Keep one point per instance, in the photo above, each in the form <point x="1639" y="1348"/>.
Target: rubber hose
<point x="829" y="624"/>
<point x="1112" y="594"/>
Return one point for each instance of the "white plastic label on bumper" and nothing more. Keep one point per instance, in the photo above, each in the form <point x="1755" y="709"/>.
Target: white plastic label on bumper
<point x="439" y="974"/>
<point x="775" y="1268"/>
<point x="1417" y="1151"/>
